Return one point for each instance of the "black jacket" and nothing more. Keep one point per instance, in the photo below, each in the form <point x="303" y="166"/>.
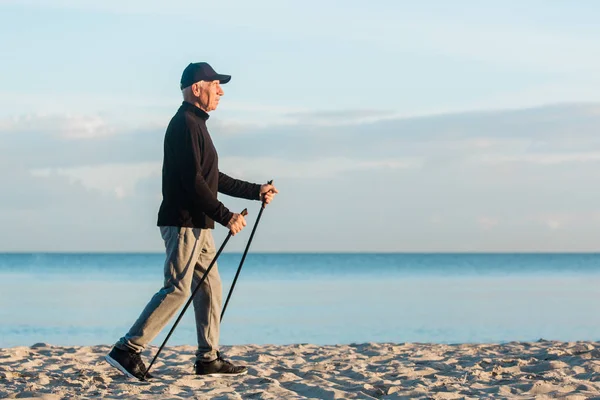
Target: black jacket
<point x="191" y="176"/>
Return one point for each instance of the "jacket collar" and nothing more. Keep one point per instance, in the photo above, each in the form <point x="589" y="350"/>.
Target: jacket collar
<point x="190" y="107"/>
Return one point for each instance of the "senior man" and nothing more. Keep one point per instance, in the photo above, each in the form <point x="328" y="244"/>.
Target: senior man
<point x="190" y="182"/>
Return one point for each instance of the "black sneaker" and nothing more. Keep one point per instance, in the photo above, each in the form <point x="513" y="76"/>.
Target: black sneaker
<point x="128" y="362"/>
<point x="219" y="367"/>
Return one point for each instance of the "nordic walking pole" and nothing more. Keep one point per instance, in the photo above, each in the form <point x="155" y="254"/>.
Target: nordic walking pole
<point x="244" y="256"/>
<point x="243" y="213"/>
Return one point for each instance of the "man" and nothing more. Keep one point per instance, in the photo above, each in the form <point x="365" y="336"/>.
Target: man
<point x="190" y="182"/>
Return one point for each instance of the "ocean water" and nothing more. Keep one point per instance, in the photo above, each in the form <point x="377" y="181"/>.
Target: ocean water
<point x="88" y="299"/>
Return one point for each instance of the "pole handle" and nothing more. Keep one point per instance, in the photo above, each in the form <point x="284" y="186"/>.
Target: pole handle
<point x="263" y="202"/>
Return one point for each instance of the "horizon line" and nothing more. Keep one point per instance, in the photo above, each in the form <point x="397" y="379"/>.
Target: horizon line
<point x="327" y="252"/>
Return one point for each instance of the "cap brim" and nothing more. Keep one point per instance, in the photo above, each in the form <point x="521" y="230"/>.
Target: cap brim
<point x="222" y="78"/>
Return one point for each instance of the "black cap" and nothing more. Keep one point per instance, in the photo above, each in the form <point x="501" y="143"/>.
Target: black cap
<point x="201" y="71"/>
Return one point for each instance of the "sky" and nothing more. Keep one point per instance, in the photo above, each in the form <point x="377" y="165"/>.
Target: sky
<point x="387" y="126"/>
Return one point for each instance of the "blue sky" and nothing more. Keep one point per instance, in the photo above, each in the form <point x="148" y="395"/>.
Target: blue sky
<point x="388" y="126"/>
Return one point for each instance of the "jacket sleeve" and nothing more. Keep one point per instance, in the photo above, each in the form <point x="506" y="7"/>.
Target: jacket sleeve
<point x="193" y="180"/>
<point x="238" y="188"/>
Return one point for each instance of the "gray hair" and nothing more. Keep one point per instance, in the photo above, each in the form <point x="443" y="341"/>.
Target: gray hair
<point x="187" y="91"/>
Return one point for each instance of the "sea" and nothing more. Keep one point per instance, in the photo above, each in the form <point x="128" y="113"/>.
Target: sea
<point x="324" y="298"/>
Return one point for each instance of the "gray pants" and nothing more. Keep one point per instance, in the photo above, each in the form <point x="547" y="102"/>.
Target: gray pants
<point x="189" y="253"/>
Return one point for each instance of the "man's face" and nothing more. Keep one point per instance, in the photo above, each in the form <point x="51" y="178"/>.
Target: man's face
<point x="208" y="94"/>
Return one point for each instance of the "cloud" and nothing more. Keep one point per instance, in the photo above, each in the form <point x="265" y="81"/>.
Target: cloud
<point x="553" y="223"/>
<point x="59" y="142"/>
<point x="487" y="222"/>
<point x="551" y="220"/>
<point x="472" y="181"/>
<point x="542" y="159"/>
<point x="61" y="126"/>
<point x="560" y="220"/>
<point x="55" y="213"/>
<point x="119" y="180"/>
<point x="543" y="136"/>
<point x="318" y="168"/>
<point x="436" y="219"/>
<point x="340" y="117"/>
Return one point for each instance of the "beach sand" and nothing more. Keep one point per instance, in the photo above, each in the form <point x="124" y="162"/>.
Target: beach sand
<point x="517" y="370"/>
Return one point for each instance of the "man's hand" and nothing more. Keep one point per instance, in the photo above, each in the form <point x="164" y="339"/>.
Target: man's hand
<point x="236" y="223"/>
<point x="267" y="193"/>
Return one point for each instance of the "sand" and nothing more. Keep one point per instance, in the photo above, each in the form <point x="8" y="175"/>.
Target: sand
<point x="517" y="370"/>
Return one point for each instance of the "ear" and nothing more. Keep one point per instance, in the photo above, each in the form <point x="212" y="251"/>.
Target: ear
<point x="196" y="88"/>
